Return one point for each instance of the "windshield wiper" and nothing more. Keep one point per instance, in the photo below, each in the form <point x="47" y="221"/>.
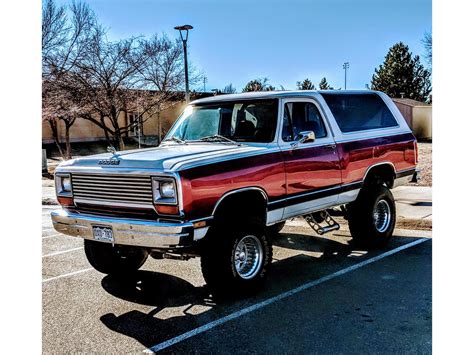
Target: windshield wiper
<point x="218" y="138"/>
<point x="175" y="139"/>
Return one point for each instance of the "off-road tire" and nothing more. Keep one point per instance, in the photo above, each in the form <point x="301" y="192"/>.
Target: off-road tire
<point x="275" y="228"/>
<point x="114" y="259"/>
<point x="218" y="257"/>
<point x="362" y="223"/>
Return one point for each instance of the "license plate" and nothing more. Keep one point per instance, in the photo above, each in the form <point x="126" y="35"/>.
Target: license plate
<point x="103" y="234"/>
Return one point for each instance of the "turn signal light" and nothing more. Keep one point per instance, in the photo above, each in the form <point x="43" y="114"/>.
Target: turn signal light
<point x="167" y="209"/>
<point x="65" y="201"/>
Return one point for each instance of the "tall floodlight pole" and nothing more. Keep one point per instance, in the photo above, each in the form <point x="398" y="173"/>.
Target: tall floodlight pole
<point x="345" y="66"/>
<point x="184" y="32"/>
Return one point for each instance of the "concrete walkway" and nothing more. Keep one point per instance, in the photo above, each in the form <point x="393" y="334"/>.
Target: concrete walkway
<point x="413" y="202"/>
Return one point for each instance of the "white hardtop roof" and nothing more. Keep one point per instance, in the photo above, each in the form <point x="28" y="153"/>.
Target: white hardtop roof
<point x="275" y="94"/>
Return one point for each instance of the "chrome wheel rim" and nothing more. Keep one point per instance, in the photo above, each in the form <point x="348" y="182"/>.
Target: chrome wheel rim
<point x="382" y="216"/>
<point x="248" y="255"/>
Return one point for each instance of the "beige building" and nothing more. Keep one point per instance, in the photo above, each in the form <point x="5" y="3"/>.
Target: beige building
<point x="86" y="131"/>
<point x="418" y="115"/>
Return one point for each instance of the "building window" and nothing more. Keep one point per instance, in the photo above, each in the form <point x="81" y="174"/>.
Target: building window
<point x="136" y="124"/>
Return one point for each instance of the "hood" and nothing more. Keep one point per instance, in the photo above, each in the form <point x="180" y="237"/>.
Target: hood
<point x="169" y="156"/>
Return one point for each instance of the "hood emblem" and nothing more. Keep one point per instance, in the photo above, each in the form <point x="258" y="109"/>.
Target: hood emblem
<point x="109" y="162"/>
<point x="113" y="160"/>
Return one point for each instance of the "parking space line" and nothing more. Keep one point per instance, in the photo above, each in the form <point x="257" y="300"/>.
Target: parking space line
<point x="68" y="274"/>
<point x="61" y="252"/>
<point x="244" y="311"/>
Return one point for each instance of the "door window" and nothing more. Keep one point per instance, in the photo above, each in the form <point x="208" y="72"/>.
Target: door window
<point x="299" y="117"/>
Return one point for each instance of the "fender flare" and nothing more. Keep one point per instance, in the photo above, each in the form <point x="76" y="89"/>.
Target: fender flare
<point x="388" y="163"/>
<point x="240" y="190"/>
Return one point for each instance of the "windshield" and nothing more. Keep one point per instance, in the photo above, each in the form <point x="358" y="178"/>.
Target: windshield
<point x="240" y="121"/>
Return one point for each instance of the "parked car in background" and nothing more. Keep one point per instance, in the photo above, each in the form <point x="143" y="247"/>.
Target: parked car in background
<point x="231" y="170"/>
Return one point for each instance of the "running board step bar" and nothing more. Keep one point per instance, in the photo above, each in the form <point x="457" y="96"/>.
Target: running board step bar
<point x="321" y="222"/>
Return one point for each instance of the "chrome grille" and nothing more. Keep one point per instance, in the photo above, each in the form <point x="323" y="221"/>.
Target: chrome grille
<point x="130" y="190"/>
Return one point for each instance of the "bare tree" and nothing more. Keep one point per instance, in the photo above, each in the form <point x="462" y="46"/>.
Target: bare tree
<point x="66" y="33"/>
<point x="54" y="27"/>
<point x="427" y="43"/>
<point x="162" y="77"/>
<point x="106" y="78"/>
<point x="60" y="106"/>
<point x="229" y="89"/>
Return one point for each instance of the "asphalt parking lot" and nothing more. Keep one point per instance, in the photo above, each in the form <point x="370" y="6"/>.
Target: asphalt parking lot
<point x="323" y="296"/>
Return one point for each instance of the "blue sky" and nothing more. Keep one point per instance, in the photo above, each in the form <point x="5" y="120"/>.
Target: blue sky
<point x="285" y="41"/>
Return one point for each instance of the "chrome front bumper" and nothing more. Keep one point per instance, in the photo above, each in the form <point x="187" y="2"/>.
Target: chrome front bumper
<point x="149" y="234"/>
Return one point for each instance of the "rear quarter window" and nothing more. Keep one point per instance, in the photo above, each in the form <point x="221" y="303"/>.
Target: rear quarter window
<point x="359" y="112"/>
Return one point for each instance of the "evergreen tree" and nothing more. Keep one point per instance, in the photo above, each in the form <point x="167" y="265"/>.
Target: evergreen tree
<point x="258" y="85"/>
<point x="324" y="85"/>
<point x="306" y="84"/>
<point x="402" y="74"/>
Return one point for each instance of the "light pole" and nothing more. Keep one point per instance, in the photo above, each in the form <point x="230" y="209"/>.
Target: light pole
<point x="345" y="66"/>
<point x="183" y="32"/>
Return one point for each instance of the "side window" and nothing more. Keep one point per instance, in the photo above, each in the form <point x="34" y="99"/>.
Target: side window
<point x="359" y="112"/>
<point x="299" y="117"/>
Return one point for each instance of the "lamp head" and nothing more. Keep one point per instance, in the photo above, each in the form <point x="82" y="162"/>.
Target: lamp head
<point x="183" y="27"/>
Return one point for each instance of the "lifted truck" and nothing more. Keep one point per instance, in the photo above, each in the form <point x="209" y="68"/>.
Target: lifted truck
<point x="229" y="173"/>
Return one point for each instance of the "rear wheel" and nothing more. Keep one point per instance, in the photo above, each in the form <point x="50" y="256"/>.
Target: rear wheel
<point x="372" y="216"/>
<point x="114" y="259"/>
<point x="236" y="259"/>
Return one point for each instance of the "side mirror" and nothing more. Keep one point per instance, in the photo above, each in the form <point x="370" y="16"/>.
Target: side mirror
<point x="304" y="137"/>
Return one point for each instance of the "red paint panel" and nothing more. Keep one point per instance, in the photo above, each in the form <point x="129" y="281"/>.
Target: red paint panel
<point x="358" y="156"/>
<point x="307" y="169"/>
<point x="310" y="168"/>
<point x="204" y="185"/>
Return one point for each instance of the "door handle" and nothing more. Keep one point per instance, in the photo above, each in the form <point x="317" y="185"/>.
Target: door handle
<point x="330" y="147"/>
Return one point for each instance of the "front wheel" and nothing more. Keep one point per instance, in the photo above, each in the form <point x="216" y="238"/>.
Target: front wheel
<point x="372" y="216"/>
<point x="114" y="259"/>
<point x="236" y="260"/>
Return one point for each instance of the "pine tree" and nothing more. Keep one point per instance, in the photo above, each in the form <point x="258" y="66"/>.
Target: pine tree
<point x="258" y="85"/>
<point x="402" y="74"/>
<point x="306" y="84"/>
<point x="324" y="85"/>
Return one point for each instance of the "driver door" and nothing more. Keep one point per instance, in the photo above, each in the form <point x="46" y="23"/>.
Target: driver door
<point x="312" y="169"/>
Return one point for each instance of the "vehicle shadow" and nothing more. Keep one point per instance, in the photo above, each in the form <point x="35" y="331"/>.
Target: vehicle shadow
<point x="180" y="306"/>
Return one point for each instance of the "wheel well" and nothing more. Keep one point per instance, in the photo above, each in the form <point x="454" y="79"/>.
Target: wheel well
<point x="383" y="173"/>
<point x="242" y="203"/>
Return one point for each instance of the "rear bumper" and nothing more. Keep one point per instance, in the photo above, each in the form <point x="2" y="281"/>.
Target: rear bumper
<point x="149" y="234"/>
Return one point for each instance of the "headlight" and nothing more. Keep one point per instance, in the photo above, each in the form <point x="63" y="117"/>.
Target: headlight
<point x="66" y="184"/>
<point x="167" y="190"/>
<point x="164" y="191"/>
<point x="63" y="184"/>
